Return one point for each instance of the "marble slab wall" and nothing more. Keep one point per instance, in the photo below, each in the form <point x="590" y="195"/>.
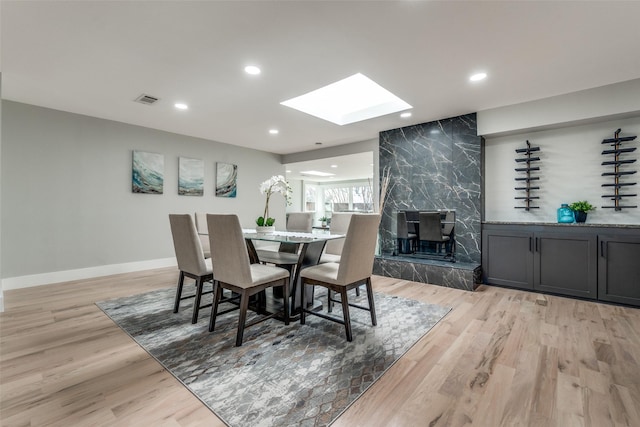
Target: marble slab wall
<point x="435" y="165"/>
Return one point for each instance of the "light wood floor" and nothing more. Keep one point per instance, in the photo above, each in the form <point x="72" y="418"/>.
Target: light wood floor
<point x="501" y="358"/>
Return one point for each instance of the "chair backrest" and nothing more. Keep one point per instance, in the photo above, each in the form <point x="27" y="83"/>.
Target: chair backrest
<point x="339" y="225"/>
<point x="300" y="221"/>
<point x="450" y="220"/>
<point x="430" y="226"/>
<point x="187" y="245"/>
<point x="201" y="228"/>
<point x="359" y="248"/>
<point x="402" y="230"/>
<point x="229" y="253"/>
<point x="201" y="222"/>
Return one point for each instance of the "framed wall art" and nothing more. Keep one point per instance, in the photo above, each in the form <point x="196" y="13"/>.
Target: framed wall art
<point x="226" y="179"/>
<point x="148" y="173"/>
<point x="190" y="177"/>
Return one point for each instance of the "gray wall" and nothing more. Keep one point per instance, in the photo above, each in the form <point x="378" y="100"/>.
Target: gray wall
<point x="66" y="192"/>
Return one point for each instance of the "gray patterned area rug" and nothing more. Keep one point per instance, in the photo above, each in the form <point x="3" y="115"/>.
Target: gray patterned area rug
<point x="296" y="375"/>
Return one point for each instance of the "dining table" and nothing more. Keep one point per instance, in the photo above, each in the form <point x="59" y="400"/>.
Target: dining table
<point x="310" y="247"/>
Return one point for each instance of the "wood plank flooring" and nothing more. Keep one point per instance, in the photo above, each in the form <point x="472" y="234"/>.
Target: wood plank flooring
<point x="502" y="357"/>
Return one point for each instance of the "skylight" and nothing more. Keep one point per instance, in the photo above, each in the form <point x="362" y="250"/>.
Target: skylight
<point x="350" y="100"/>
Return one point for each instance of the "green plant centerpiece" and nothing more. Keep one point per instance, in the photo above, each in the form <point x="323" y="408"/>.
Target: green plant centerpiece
<point x="324" y="220"/>
<point x="580" y="209"/>
<point x="275" y="184"/>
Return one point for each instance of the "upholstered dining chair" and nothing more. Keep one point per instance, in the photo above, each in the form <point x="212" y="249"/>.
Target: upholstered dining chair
<point x="191" y="261"/>
<point x="333" y="248"/>
<point x="354" y="269"/>
<point x="406" y="240"/>
<point x="431" y="229"/>
<point x="201" y="228"/>
<point x="233" y="271"/>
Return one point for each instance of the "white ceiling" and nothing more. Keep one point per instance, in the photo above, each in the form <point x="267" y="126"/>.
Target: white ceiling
<point x="95" y="57"/>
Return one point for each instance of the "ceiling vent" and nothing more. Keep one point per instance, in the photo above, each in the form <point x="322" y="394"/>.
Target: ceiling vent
<point x="147" y="99"/>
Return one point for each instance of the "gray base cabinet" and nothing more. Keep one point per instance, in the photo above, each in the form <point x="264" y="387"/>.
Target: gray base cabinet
<point x="565" y="263"/>
<point x="619" y="268"/>
<point x="511" y="260"/>
<point x="600" y="263"/>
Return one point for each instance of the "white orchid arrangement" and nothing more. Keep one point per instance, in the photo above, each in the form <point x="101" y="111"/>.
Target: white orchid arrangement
<point x="275" y="184"/>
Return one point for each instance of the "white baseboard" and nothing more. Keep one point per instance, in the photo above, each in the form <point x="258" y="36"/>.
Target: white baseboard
<point x="83" y="273"/>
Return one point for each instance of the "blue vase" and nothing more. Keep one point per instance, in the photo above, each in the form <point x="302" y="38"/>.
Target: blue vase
<point x="565" y="214"/>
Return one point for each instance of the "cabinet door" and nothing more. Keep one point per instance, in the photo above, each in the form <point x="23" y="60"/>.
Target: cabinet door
<point x="566" y="263"/>
<point x="619" y="269"/>
<point x="507" y="258"/>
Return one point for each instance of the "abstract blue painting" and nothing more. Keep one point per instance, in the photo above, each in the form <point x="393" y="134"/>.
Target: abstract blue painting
<point x="191" y="177"/>
<point x="226" y="177"/>
<point x="148" y="173"/>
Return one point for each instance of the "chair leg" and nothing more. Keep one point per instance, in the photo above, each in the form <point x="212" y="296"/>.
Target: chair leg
<point x="217" y="295"/>
<point x="329" y="301"/>
<point x="244" y="305"/>
<point x="358" y="291"/>
<point x="303" y="302"/>
<point x="286" y="301"/>
<point x="196" y="301"/>
<point x="345" y="312"/>
<point x="372" y="305"/>
<point x="176" y="304"/>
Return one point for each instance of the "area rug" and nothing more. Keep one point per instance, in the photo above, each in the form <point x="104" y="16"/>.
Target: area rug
<point x="296" y="375"/>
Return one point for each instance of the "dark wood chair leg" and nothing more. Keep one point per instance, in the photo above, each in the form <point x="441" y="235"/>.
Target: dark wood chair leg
<point x="329" y="301"/>
<point x="357" y="291"/>
<point x="372" y="305"/>
<point x="286" y="301"/>
<point x="176" y="304"/>
<point x="217" y="295"/>
<point x="242" y="318"/>
<point x="303" y="303"/>
<point x="345" y="312"/>
<point x="196" y="301"/>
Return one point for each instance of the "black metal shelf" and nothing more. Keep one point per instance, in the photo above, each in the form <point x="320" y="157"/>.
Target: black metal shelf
<point x="528" y="188"/>
<point x="617" y="174"/>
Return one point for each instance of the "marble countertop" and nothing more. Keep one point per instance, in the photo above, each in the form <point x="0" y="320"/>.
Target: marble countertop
<point x="575" y="224"/>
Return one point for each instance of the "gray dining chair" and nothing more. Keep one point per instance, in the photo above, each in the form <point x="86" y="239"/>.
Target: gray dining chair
<point x="431" y="230"/>
<point x="406" y="240"/>
<point x="233" y="271"/>
<point x="191" y="261"/>
<point x="354" y="269"/>
<point x="333" y="248"/>
<point x="201" y="228"/>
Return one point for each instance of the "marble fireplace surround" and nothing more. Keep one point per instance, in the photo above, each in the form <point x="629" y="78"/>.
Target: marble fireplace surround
<point x="434" y="166"/>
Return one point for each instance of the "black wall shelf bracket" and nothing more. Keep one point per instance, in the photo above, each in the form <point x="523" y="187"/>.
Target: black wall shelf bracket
<point x="526" y="180"/>
<point x="617" y="173"/>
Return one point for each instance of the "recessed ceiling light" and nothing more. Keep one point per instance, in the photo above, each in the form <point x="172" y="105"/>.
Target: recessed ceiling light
<point x="350" y="100"/>
<point x="288" y="171"/>
<point x="252" y="69"/>
<point x="478" y="76"/>
<point x="274" y="131"/>
<point x="181" y="106"/>
<point x="405" y="115"/>
<point x="334" y="166"/>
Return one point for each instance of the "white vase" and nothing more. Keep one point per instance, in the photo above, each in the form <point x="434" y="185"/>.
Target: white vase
<point x="266" y="229"/>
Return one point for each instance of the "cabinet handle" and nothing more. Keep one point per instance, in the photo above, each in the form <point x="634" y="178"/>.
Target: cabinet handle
<point x="530" y="244"/>
<point x="602" y="254"/>
<point x="537" y="250"/>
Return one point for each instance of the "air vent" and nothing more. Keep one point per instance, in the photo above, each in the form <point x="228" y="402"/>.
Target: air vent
<point x="147" y="99"/>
